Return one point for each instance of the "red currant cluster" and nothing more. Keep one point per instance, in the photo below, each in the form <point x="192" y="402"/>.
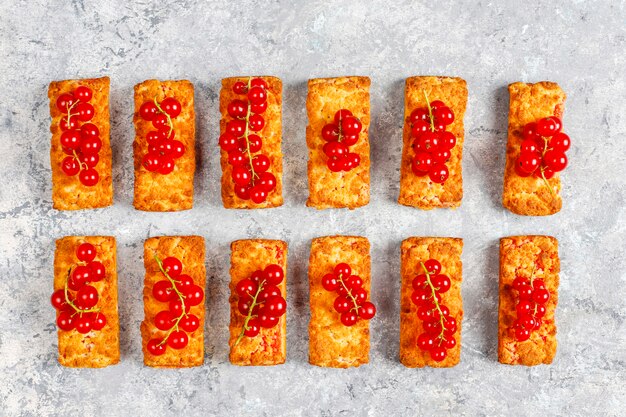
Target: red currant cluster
<point x="542" y="152"/>
<point x="531" y="306"/>
<point x="260" y="300"/>
<point x="340" y="135"/>
<point x="80" y="140"/>
<point x="351" y="301"/>
<point x="250" y="172"/>
<point x="439" y="327"/>
<point x="163" y="149"/>
<point x="433" y="143"/>
<point x="76" y="302"/>
<point x="181" y="293"/>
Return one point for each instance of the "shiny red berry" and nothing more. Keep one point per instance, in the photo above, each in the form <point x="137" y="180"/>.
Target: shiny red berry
<point x="171" y="106"/>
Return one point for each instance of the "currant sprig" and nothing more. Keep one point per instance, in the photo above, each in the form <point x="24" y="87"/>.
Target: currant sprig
<point x="163" y="149"/>
<point x="246" y="135"/>
<point x="433" y="296"/>
<point x="180" y="296"/>
<point x="170" y="123"/>
<point x="351" y="302"/>
<point x="246" y="328"/>
<point x="530" y="308"/>
<point x="340" y="134"/>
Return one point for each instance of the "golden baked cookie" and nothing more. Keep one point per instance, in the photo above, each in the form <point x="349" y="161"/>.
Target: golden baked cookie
<point x="332" y="344"/>
<point x="413" y="251"/>
<point x="421" y="191"/>
<point x="269" y="347"/>
<point x="343" y="189"/>
<point x="527" y="256"/>
<point x="68" y="193"/>
<point x="530" y="196"/>
<point x="155" y="191"/>
<point x="190" y="251"/>
<point x="271" y="139"/>
<point x="97" y="348"/>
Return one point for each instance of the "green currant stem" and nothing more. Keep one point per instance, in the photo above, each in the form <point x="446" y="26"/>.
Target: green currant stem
<point x="430" y="112"/>
<point x="169" y="119"/>
<point x="545" y="180"/>
<point x="434" y="297"/>
<point x="180" y="295"/>
<point x="71" y="303"/>
<point x="80" y="164"/>
<point x="69" y="112"/>
<point x="249" y="316"/>
<point x="246" y="134"/>
<point x="343" y="284"/>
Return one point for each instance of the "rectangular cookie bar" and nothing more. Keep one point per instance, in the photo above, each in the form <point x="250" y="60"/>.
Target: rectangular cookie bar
<point x="97" y="348"/>
<point x="157" y="186"/>
<point x="190" y="252"/>
<point x="534" y="259"/>
<point x="414" y="252"/>
<point x="421" y="191"/>
<point x="331" y="343"/>
<point x="342" y="189"/>
<point x="530" y="195"/>
<point x="270" y="135"/>
<point x="77" y="186"/>
<point x="269" y="346"/>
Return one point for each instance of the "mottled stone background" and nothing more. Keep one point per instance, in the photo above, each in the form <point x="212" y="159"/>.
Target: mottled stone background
<point x="579" y="44"/>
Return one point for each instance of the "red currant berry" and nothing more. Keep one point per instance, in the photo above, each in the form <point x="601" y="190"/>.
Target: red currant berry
<point x="367" y="310"/>
<point x="529" y="146"/>
<point x="171" y="106"/>
<point x="351" y="126"/>
<point x="238" y="109"/>
<point x="419" y="282"/>
<point x="360" y="295"/>
<point x="342" y="304"/>
<point x="419" y="115"/>
<point x="425" y="313"/>
<point x="527" y="322"/>
<point x="540" y="310"/>
<point x="97" y="271"/>
<point x="267" y="181"/>
<point x="257" y="95"/>
<point x="85" y="111"/>
<point x="274" y="274"/>
<point x="258" y="82"/>
<point x="70" y="139"/>
<point x="428" y="142"/>
<point x="523" y="308"/>
<point x="354" y="282"/>
<point x="447" y="140"/>
<point x="276" y="306"/>
<point x="342" y="114"/>
<point x="159" y="121"/>
<point x="83" y="93"/>
<point x="152" y="161"/>
<point x="75" y="285"/>
<point x="349" y="318"/>
<point x="329" y="282"/>
<point x="65" y="321"/>
<point x="90" y="145"/>
<point x="177" y="149"/>
<point x="98" y="321"/>
<point x="255" y="143"/>
<point x="258" y="108"/>
<point x="541" y="295"/>
<point x="163" y="291"/>
<point x="267" y="320"/>
<point x="254" y="326"/>
<point x="164" y="320"/>
<point x="176" y="307"/>
<point x="555" y="160"/>
<point x="560" y="142"/>
<point x="335" y="164"/>
<point x="183" y="282"/>
<point x="421" y="163"/>
<point x="70" y="166"/>
<point x="449" y="343"/>
<point x="269" y="291"/>
<point x="148" y="110"/>
<point x="58" y="299"/>
<point x="330" y="132"/>
<point x="530" y="131"/>
<point x="433" y="328"/>
<point x="546" y="127"/>
<point x="84" y="324"/>
<point x="89" y="130"/>
<point x="433" y="266"/>
<point x="91" y="160"/>
<point x="68" y="123"/>
<point x="438" y="173"/>
<point x="425" y="341"/>
<point x="443" y="115"/>
<point x="544" y="172"/>
<point x="261" y="163"/>
<point x="81" y="274"/>
<point x="350" y="140"/>
<point x="86" y="297"/>
<point x="156" y="347"/>
<point x="194" y="294"/>
<point x="420" y="297"/>
<point x="419" y="128"/>
<point x="258" y="276"/>
<point x="167" y="165"/>
<point x="343" y="270"/>
<point x="240" y="88"/>
<point x="352" y="160"/>
<point x="525" y="292"/>
<point x="256" y="122"/>
<point x="529" y="162"/>
<point x="243" y="305"/>
<point x="241" y="175"/>
<point x="177" y="339"/>
<point x="64" y="102"/>
<point x="172" y="266"/>
<point x="246" y="287"/>
<point x="237" y="158"/>
<point x="538" y="283"/>
<point x="190" y="323"/>
<point x="228" y="142"/>
<point x="335" y="149"/>
<point x="438" y="353"/>
<point x="242" y="191"/>
<point x="441" y="283"/>
<point x="436" y="104"/>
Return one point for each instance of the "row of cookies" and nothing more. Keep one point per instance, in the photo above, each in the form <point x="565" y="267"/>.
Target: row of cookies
<point x="431" y="307"/>
<point x="337" y="136"/>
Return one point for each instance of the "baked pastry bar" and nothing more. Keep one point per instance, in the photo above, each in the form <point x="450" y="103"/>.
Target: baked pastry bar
<point x="331" y="344"/>
<point x="413" y="251"/>
<point x="95" y="349"/>
<point x="269" y="347"/>
<point x="68" y="192"/>
<point x="271" y="137"/>
<point x="155" y="191"/>
<point x="421" y="191"/>
<point x="190" y="251"/>
<point x="530" y="196"/>
<point x="526" y="257"/>
<point x="343" y="189"/>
